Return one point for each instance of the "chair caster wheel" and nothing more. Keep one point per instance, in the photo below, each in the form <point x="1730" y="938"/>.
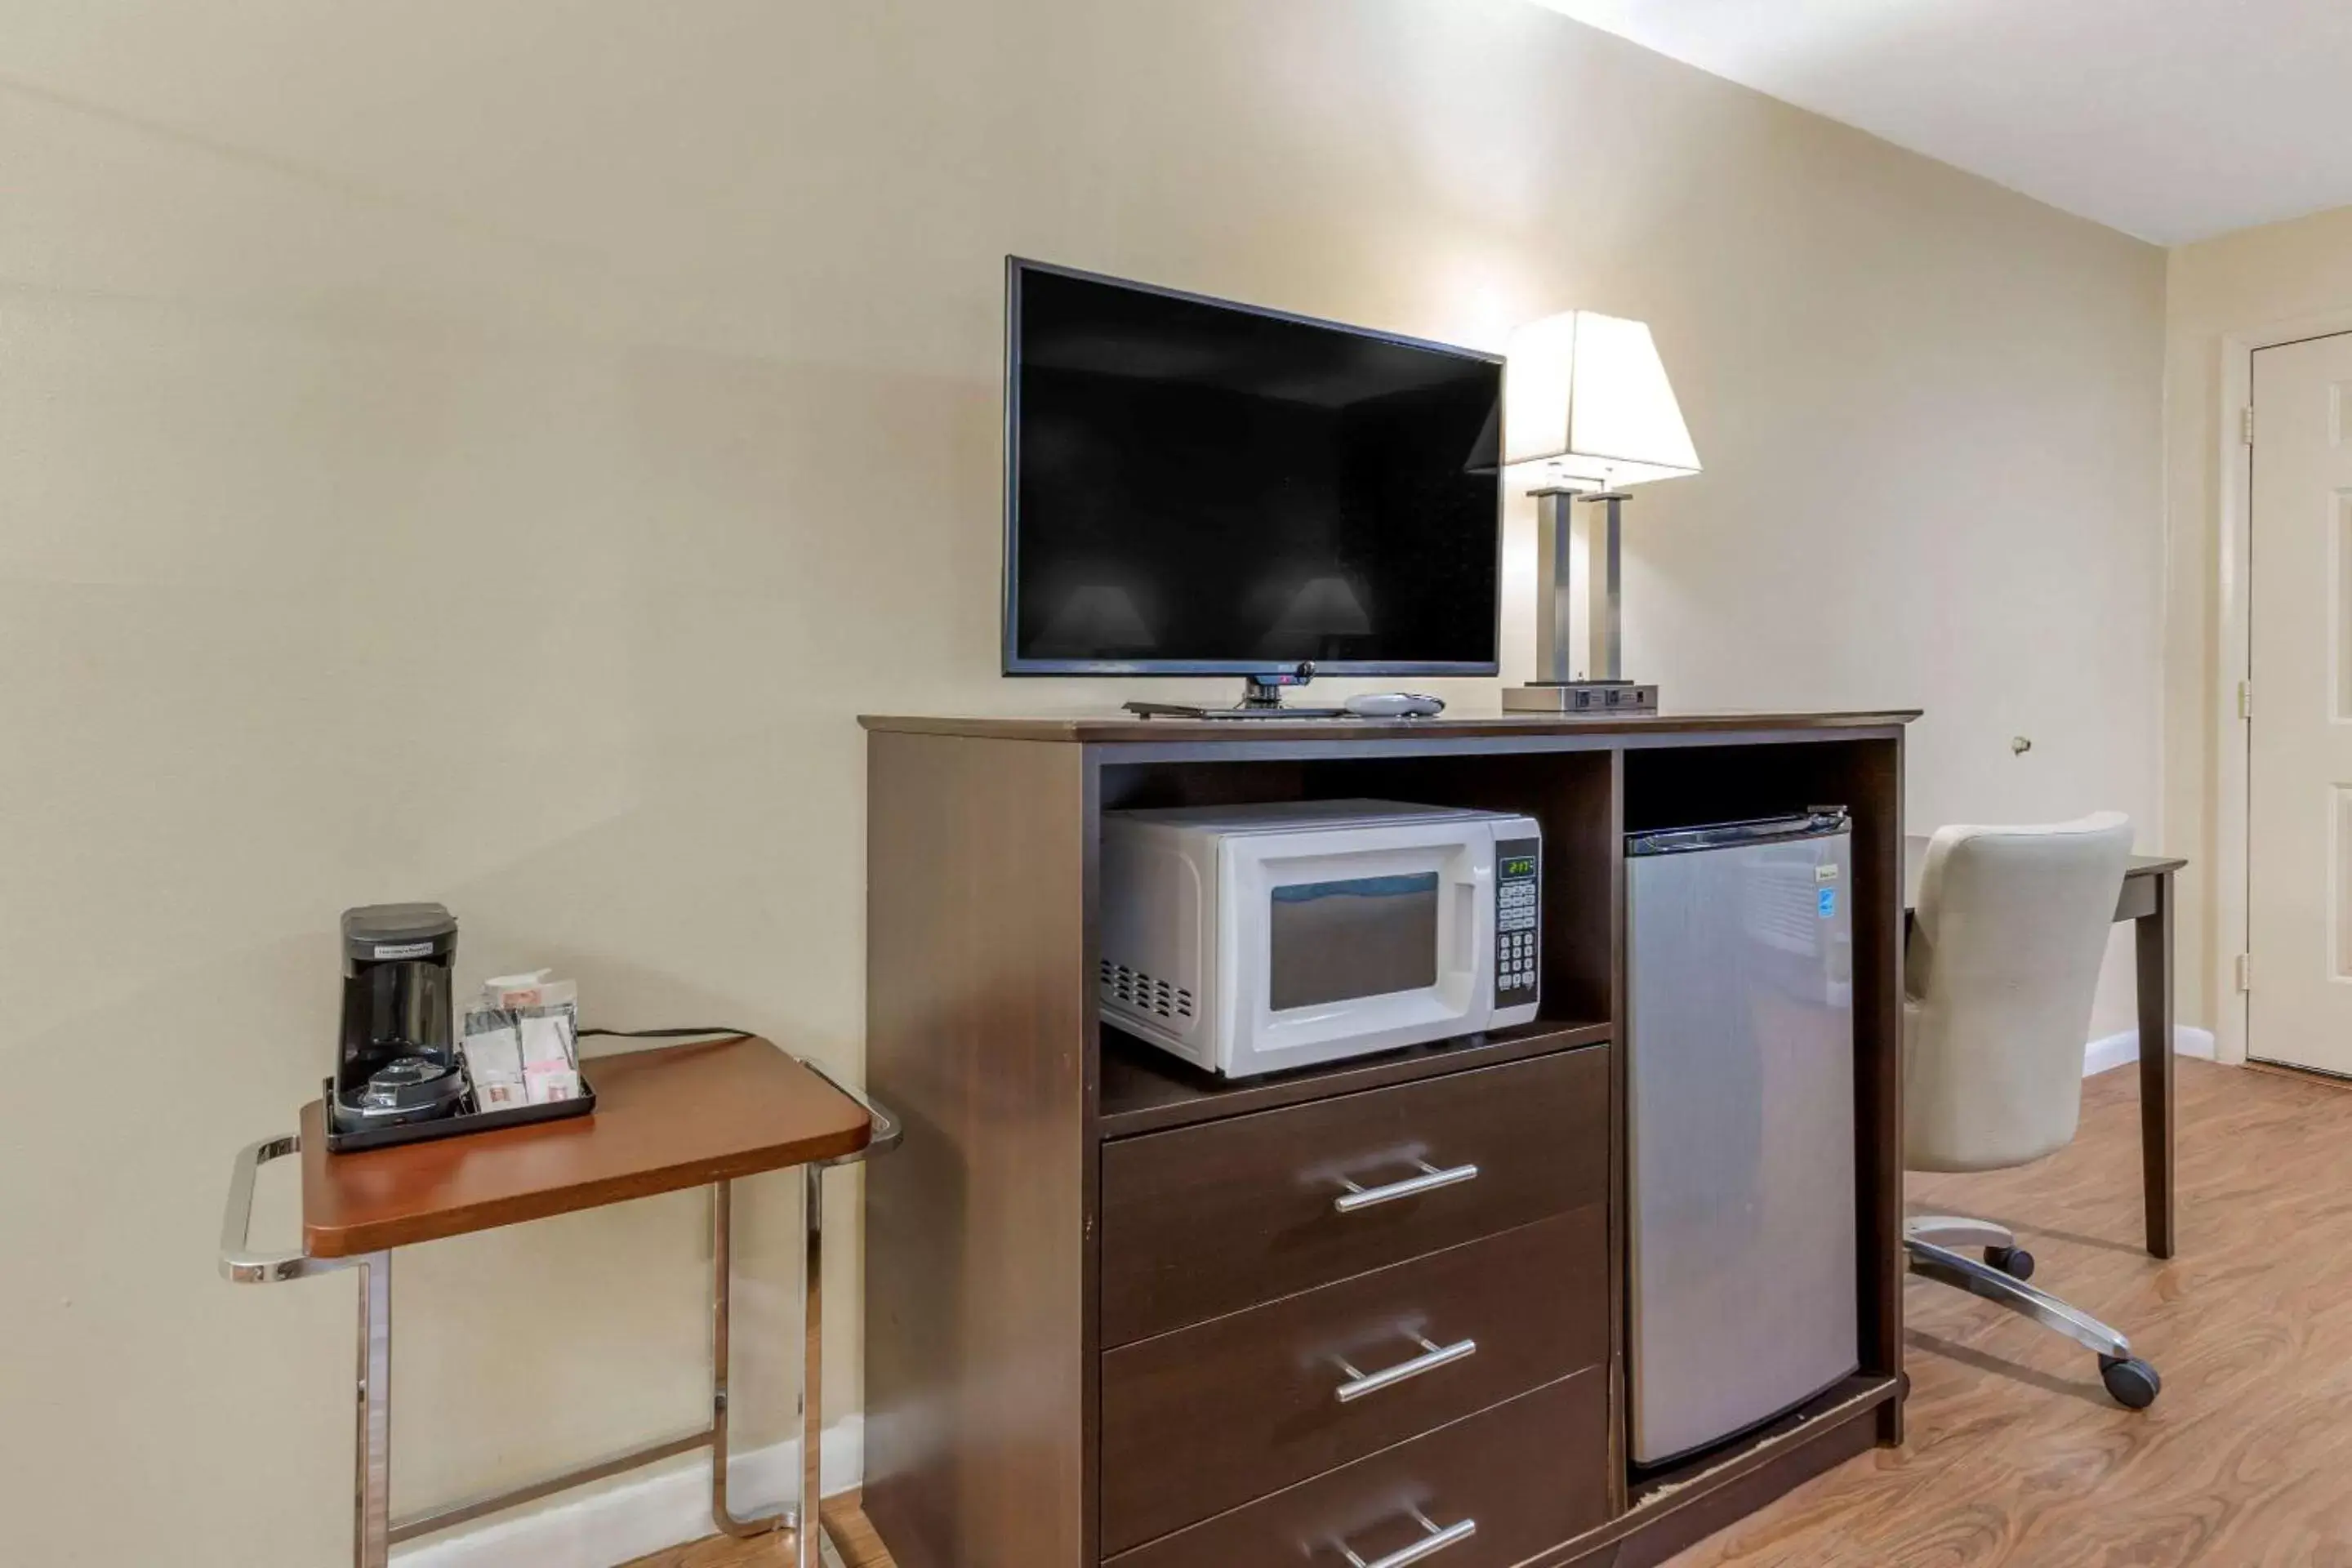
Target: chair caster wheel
<point x="2013" y="1261"/>
<point x="2133" y="1382"/>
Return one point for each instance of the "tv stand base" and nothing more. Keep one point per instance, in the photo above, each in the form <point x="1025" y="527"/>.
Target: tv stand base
<point x="1266" y="710"/>
<point x="1261" y="699"/>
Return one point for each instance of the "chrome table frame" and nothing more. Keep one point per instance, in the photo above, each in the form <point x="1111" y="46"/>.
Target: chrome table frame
<point x="373" y="1530"/>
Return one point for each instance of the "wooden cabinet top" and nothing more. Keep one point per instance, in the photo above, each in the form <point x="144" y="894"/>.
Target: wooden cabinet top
<point x="1122" y="727"/>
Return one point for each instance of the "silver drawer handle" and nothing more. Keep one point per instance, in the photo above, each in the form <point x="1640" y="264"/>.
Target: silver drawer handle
<point x="1432" y="1542"/>
<point x="1429" y="1180"/>
<point x="1359" y="1383"/>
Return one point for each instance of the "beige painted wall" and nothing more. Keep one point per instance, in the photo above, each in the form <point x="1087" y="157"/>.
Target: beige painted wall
<point x="2251" y="284"/>
<point x="489" y="452"/>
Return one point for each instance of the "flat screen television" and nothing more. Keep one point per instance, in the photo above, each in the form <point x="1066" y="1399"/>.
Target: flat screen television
<point x="1194" y="487"/>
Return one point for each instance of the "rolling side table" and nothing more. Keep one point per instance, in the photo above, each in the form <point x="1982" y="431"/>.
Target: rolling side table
<point x="700" y="1114"/>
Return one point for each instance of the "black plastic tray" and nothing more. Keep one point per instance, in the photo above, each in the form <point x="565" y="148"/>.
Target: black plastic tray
<point x="456" y="1126"/>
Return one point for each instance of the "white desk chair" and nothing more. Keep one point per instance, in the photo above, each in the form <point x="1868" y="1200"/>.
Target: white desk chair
<point x="1999" y="974"/>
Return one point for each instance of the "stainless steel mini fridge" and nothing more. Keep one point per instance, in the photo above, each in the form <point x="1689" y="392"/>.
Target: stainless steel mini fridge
<point x="1739" y="1071"/>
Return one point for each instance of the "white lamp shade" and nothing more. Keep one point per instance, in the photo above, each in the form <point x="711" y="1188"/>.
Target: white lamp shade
<point x="1588" y="398"/>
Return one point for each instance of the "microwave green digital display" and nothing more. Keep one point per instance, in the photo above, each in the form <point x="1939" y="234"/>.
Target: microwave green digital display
<point x="1522" y="866"/>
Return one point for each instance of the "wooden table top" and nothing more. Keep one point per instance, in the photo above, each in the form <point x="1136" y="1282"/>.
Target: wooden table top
<point x="1460" y="724"/>
<point x="680" y="1116"/>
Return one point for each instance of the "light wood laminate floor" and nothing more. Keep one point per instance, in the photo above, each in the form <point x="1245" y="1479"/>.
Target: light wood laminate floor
<point x="860" y="1548"/>
<point x="2016" y="1458"/>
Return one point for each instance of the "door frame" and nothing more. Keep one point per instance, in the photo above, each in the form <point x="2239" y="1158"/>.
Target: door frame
<point x="2231" y="749"/>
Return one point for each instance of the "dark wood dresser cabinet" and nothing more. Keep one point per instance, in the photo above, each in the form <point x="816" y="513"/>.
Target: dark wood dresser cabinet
<point x="1117" y="1313"/>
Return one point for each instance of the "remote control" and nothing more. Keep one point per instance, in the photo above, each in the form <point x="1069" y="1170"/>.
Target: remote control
<point x="1395" y="705"/>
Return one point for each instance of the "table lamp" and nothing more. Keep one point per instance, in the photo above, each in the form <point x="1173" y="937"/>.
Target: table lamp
<point x="1587" y="408"/>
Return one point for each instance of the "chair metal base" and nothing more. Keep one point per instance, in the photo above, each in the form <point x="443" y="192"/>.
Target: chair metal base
<point x="1929" y="1241"/>
<point x="1958" y="1230"/>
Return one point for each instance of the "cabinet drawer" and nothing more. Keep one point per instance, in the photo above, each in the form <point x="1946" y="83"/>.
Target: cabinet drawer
<point x="1209" y="1417"/>
<point x="1202" y="1221"/>
<point x="1524" y="1475"/>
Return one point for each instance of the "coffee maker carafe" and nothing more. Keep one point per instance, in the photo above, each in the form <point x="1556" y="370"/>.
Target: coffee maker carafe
<point x="398" y="1060"/>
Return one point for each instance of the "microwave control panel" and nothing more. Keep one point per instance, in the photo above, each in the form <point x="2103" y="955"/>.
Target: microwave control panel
<point x="1519" y="906"/>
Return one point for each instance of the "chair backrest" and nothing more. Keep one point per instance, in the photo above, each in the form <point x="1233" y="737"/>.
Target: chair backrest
<point x="2000" y="975"/>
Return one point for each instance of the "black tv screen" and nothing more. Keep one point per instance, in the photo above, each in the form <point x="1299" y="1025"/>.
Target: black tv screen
<point x="1194" y="487"/>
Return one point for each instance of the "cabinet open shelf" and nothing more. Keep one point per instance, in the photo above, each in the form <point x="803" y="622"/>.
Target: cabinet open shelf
<point x="1145" y="1090"/>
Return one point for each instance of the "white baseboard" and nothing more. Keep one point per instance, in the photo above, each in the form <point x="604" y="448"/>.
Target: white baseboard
<point x="2115" y="1050"/>
<point x="631" y="1518"/>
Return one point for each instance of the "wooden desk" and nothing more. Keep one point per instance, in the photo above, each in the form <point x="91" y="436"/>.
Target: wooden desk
<point x="699" y="1114"/>
<point x="2147" y="901"/>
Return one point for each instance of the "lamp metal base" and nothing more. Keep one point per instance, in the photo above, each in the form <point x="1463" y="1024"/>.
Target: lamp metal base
<point x="1581" y="697"/>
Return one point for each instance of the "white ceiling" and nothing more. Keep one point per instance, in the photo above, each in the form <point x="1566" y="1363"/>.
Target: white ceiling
<point x="2170" y="120"/>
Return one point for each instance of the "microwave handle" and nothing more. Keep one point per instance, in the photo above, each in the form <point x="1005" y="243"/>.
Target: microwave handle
<point x="1474" y="916"/>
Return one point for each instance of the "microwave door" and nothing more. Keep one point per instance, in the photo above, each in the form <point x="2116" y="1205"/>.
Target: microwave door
<point x="1359" y="948"/>
<point x="1345" y="938"/>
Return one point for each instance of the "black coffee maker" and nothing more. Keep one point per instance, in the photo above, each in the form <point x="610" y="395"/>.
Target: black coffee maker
<point x="398" y="1062"/>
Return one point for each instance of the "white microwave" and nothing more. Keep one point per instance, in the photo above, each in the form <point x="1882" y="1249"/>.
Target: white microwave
<point x="1250" y="938"/>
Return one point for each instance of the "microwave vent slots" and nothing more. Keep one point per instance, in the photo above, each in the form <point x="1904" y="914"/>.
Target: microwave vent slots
<point x="1144" y="993"/>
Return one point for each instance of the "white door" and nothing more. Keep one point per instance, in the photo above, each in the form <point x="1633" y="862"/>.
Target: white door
<point x="2299" y="855"/>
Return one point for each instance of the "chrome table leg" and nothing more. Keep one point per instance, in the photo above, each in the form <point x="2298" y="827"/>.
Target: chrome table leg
<point x="722" y="1290"/>
<point x="372" y="1491"/>
<point x="811" y="1547"/>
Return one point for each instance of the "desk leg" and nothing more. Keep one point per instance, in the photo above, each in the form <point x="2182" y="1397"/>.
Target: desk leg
<point x="722" y="1292"/>
<point x="2152" y="941"/>
<point x="811" y="1548"/>
<point x="371" y="1490"/>
<point x="812" y="1540"/>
